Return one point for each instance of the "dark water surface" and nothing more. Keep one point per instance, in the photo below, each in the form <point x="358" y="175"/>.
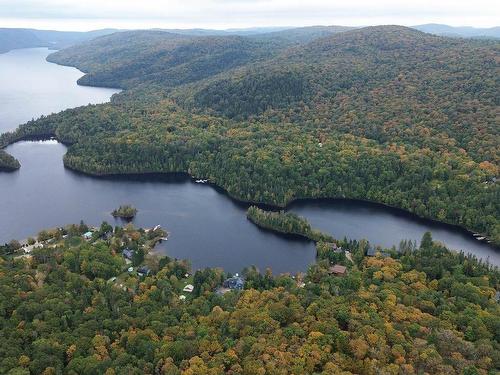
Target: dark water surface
<point x="205" y="225"/>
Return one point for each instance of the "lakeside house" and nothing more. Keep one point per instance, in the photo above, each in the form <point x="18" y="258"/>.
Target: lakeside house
<point x="87" y="235"/>
<point x="188" y="288"/>
<point x="234" y="283"/>
<point x="128" y="254"/>
<point x="338" y="270"/>
<point x="143" y="271"/>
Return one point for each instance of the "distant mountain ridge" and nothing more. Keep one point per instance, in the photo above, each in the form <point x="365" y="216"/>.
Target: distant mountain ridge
<point x="12" y="38"/>
<point x="463" y="31"/>
<point x="31" y="38"/>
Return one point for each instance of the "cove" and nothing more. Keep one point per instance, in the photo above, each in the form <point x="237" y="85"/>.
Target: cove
<point x="205" y="225"/>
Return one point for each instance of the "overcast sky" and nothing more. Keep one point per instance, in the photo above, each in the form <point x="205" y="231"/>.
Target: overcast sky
<point x="222" y="14"/>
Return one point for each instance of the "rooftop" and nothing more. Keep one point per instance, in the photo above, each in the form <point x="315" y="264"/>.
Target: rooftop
<point x="188" y="288"/>
<point x="235" y="282"/>
<point x="338" y="269"/>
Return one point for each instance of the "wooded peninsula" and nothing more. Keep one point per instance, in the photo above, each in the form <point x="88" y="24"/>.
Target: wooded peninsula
<point x="286" y="223"/>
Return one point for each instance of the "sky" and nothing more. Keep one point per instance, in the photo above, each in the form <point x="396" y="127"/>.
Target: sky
<point x="223" y="14"/>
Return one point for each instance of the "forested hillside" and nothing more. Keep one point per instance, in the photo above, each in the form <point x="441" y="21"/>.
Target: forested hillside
<point x="156" y="57"/>
<point x="72" y="307"/>
<point x="387" y="114"/>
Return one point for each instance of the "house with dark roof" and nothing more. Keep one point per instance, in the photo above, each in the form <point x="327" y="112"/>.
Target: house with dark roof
<point x="143" y="271"/>
<point x="235" y="282"/>
<point x="128" y="254"/>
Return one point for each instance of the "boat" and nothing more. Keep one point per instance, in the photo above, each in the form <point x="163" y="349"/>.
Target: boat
<point x="480" y="238"/>
<point x="201" y="181"/>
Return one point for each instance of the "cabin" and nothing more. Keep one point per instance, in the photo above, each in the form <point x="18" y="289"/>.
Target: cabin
<point x="143" y="271"/>
<point x="188" y="288"/>
<point x="338" y="270"/>
<point x="87" y="235"/>
<point x="235" y="283"/>
<point x="128" y="254"/>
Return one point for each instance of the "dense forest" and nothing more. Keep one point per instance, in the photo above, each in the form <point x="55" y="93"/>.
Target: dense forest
<point x="71" y="307"/>
<point x="125" y="212"/>
<point x="387" y="114"/>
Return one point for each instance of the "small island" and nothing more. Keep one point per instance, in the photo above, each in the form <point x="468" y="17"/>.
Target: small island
<point x="7" y="162"/>
<point x="125" y="212"/>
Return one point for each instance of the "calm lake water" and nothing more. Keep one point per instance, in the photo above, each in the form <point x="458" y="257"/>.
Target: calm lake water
<point x="30" y="87"/>
<point x="205" y="226"/>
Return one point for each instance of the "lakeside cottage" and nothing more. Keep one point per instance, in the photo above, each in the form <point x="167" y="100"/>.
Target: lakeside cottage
<point x="143" y="271"/>
<point x="235" y="283"/>
<point x="338" y="270"/>
<point x="128" y="254"/>
<point x="87" y="235"/>
<point x="188" y="288"/>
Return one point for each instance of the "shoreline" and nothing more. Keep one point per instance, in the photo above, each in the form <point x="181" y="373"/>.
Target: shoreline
<point x="275" y="207"/>
<point x="172" y="176"/>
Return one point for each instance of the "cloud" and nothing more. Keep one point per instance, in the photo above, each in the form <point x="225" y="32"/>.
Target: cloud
<point x="244" y="13"/>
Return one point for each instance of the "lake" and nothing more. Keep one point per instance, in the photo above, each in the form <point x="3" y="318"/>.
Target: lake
<point x="205" y="225"/>
<point x="30" y="87"/>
